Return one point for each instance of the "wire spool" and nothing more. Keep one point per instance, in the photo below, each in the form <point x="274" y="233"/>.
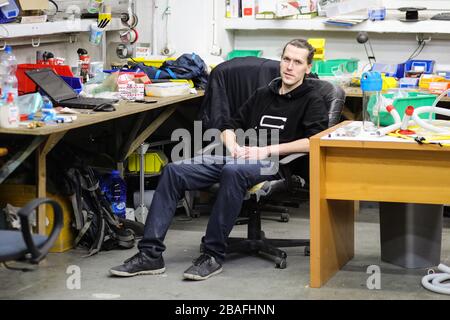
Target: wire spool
<point x="129" y="36"/>
<point x="124" y="51"/>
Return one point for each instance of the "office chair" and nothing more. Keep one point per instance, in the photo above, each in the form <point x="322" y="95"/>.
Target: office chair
<point x="285" y="189"/>
<point x="21" y="244"/>
<point x="230" y="84"/>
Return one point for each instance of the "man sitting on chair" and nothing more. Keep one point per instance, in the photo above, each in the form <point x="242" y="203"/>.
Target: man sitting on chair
<point x="288" y="105"/>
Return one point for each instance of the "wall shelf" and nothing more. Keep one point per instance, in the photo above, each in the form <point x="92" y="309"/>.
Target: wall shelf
<point x="316" y="24"/>
<point x="34" y="30"/>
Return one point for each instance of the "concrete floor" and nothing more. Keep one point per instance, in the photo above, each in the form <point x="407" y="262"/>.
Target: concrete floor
<point x="243" y="277"/>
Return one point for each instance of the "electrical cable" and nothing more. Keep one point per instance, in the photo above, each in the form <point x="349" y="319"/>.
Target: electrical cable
<point x="438" y="282"/>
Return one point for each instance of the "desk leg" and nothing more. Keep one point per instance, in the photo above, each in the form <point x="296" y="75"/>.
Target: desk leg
<point x="332" y="224"/>
<point x="41" y="175"/>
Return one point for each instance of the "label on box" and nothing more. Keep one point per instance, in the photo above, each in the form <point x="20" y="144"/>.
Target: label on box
<point x="142" y="52"/>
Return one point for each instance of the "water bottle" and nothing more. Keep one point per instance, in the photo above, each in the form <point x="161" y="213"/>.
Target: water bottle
<point x="9" y="113"/>
<point x="371" y="85"/>
<point x="116" y="192"/>
<point x="8" y="68"/>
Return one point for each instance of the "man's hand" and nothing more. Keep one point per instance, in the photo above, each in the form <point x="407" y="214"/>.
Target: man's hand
<point x="256" y="153"/>
<point x="238" y="152"/>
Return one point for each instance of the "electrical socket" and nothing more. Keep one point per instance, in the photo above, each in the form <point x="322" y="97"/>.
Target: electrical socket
<point x="420" y="38"/>
<point x="216" y="50"/>
<point x="168" y="50"/>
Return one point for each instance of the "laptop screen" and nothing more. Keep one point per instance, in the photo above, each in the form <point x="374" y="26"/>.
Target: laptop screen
<point x="54" y="86"/>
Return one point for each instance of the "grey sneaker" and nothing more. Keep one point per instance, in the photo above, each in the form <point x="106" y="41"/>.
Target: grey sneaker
<point x="139" y="264"/>
<point x="202" y="268"/>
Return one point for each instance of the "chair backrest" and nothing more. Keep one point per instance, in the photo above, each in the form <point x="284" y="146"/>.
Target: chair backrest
<point x="334" y="97"/>
<point x="231" y="83"/>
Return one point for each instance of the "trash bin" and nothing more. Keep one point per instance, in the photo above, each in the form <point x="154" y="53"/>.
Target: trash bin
<point x="411" y="234"/>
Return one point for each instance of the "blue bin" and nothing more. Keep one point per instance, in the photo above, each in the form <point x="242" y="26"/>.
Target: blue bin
<point x="418" y="65"/>
<point x="74" y="82"/>
<point x="9" y="12"/>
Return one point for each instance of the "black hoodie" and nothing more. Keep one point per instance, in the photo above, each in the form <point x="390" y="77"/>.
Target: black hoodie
<point x="298" y="114"/>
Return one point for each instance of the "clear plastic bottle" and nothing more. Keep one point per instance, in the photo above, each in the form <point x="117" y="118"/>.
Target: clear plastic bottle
<point x="9" y="113"/>
<point x="8" y="68"/>
<point x="371" y="86"/>
<point x="115" y="190"/>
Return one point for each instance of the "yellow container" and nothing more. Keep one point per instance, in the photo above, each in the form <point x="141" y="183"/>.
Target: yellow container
<point x="319" y="45"/>
<point x="151" y="63"/>
<point x="19" y="195"/>
<point x="155" y="160"/>
<point x="426" y="79"/>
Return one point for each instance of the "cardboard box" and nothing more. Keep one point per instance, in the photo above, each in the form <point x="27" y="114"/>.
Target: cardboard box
<point x="34" y="4"/>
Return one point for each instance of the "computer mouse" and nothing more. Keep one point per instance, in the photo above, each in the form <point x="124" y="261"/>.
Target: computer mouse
<point x="104" y="107"/>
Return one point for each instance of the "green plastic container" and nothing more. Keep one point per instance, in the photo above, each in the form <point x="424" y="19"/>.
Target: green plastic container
<point x="414" y="99"/>
<point x="332" y="67"/>
<point x="244" y="53"/>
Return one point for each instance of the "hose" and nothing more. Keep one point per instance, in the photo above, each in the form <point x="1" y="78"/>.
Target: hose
<point x="436" y="281"/>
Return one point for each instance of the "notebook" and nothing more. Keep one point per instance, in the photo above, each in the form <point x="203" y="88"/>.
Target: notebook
<point x="60" y="92"/>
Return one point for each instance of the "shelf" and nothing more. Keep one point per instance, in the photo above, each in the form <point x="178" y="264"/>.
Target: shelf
<point x="18" y="30"/>
<point x="316" y="24"/>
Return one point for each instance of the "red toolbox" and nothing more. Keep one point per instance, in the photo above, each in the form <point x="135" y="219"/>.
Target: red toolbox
<point x="25" y="85"/>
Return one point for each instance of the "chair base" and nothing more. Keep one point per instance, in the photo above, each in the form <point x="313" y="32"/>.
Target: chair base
<point x="267" y="247"/>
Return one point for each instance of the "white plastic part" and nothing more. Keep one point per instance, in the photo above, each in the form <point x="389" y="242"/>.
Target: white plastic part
<point x="436" y="281"/>
<point x="395" y="115"/>
<point x="426" y="124"/>
<point x="384" y="131"/>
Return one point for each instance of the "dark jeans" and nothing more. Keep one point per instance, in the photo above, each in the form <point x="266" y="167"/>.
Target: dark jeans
<point x="235" y="179"/>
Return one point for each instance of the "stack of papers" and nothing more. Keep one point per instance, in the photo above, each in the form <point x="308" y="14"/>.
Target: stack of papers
<point x="345" y="21"/>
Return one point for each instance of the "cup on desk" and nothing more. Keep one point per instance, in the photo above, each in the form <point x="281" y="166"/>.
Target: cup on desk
<point x="96" y="34"/>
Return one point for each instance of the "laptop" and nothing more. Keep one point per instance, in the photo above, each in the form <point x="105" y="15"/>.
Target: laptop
<point x="60" y="92"/>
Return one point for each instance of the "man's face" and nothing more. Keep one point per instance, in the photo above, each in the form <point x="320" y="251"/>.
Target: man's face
<point x="294" y="65"/>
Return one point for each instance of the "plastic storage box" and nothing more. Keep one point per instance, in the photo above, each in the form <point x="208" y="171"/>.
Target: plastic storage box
<point x="151" y="63"/>
<point x="408" y="83"/>
<point x="74" y="82"/>
<point x="425" y="66"/>
<point x="390" y="70"/>
<point x="167" y="89"/>
<point x="155" y="160"/>
<point x="9" y="12"/>
<point x="25" y="85"/>
<point x="244" y="53"/>
<point x="334" y="67"/>
<point x="414" y="99"/>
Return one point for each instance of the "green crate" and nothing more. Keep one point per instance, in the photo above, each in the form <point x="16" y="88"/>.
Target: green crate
<point x="244" y="53"/>
<point x="331" y="67"/>
<point x="415" y="99"/>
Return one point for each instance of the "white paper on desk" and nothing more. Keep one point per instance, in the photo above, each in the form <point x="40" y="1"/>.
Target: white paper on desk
<point x="67" y="111"/>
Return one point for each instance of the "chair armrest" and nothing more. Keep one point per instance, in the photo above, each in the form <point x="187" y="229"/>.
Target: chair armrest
<point x="293" y="156"/>
<point x="37" y="254"/>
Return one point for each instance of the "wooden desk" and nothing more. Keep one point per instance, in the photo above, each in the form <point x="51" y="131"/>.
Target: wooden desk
<point x="45" y="138"/>
<point x="346" y="171"/>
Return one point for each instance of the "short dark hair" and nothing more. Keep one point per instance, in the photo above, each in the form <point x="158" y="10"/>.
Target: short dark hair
<point x="302" y="44"/>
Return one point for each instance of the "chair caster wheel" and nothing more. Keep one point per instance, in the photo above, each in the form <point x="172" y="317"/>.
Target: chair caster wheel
<point x="282" y="264"/>
<point x="195" y="214"/>
<point x="307" y="251"/>
<point x="284" y="217"/>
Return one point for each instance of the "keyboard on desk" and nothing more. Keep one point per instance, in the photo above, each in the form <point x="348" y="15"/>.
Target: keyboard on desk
<point x="441" y="16"/>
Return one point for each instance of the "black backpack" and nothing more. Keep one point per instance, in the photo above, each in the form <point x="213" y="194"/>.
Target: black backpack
<point x="98" y="227"/>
